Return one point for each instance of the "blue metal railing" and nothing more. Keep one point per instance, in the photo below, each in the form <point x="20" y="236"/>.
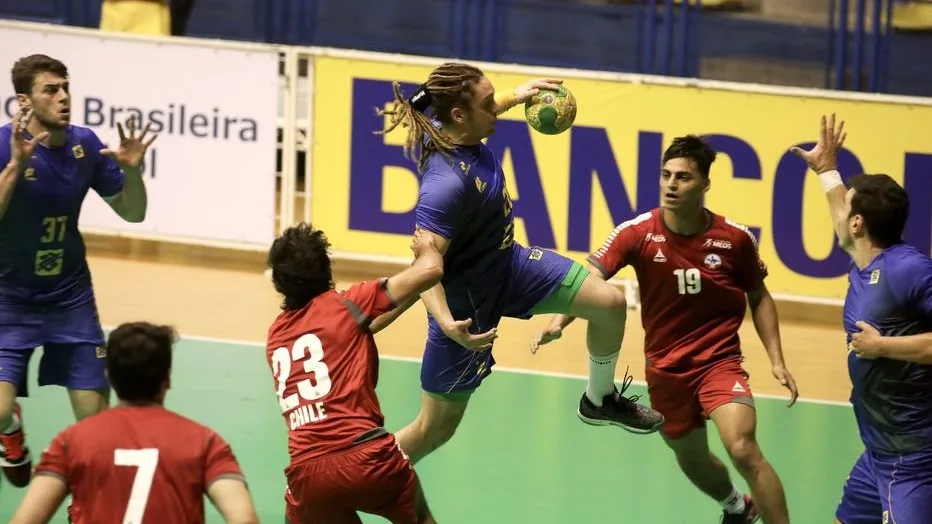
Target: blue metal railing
<point x="862" y="52"/>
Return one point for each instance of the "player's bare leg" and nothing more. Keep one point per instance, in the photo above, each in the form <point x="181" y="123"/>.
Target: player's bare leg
<point x="87" y="402"/>
<point x="606" y="310"/>
<point x="434" y="426"/>
<point x="737" y="424"/>
<point x="709" y="474"/>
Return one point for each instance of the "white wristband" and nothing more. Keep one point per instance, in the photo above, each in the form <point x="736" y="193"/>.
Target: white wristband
<point x="830" y="180"/>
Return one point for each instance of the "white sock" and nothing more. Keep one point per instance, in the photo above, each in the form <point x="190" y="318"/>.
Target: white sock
<point x="15" y="424"/>
<point x="601" y="377"/>
<point x="733" y="503"/>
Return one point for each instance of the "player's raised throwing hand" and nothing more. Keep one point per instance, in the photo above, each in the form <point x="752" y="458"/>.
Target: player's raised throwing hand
<point x="521" y="94"/>
<point x="532" y="87"/>
<point x="21" y="150"/>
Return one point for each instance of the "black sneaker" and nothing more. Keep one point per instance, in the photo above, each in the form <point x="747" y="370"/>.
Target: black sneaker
<point x="617" y="410"/>
<point x="748" y="516"/>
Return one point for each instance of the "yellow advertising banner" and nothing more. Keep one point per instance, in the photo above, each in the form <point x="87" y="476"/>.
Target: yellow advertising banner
<point x="570" y="190"/>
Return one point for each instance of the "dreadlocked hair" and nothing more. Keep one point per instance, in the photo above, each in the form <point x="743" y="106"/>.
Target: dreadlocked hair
<point x="448" y="86"/>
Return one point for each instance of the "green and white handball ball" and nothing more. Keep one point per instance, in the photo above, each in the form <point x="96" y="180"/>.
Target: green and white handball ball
<point x="551" y="112"/>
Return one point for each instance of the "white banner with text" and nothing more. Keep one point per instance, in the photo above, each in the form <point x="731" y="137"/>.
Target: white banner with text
<point x="210" y="174"/>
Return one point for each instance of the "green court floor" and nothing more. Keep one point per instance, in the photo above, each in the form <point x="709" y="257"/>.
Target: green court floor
<point x="520" y="456"/>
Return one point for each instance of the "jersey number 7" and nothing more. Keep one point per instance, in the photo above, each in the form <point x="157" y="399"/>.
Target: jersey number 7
<point x="145" y="462"/>
<point x="306" y="349"/>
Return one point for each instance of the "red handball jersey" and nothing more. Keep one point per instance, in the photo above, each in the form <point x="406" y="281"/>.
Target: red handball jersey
<point x="325" y="365"/>
<point x="138" y="464"/>
<point x="692" y="288"/>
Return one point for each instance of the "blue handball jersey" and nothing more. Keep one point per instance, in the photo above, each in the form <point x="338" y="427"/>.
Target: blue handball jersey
<point x="42" y="253"/>
<point x="892" y="399"/>
<point x="463" y="198"/>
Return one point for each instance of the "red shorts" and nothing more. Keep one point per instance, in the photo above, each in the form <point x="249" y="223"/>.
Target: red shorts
<point x="686" y="399"/>
<point x="374" y="477"/>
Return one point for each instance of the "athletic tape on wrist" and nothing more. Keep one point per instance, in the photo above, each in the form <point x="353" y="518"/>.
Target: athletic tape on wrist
<point x="830" y="180"/>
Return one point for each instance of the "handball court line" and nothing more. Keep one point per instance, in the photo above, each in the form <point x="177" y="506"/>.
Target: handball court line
<point x="128" y="290"/>
<point x="496" y="369"/>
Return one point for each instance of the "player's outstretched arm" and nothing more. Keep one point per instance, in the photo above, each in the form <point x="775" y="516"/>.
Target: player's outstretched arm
<point x="435" y="301"/>
<point x="405" y="287"/>
<point x="507" y="99"/>
<point x="232" y="500"/>
<point x="132" y="201"/>
<point x="766" y="322"/>
<point x="823" y="159"/>
<point x="45" y="495"/>
<point x="384" y="320"/>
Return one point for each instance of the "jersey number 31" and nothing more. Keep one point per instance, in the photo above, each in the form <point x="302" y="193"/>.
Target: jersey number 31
<point x="309" y="351"/>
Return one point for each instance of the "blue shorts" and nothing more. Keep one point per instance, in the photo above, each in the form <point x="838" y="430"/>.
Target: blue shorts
<point x="72" y="342"/>
<point x="450" y="369"/>
<point x="894" y="489"/>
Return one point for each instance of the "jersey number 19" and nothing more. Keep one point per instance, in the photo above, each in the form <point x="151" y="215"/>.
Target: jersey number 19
<point x="688" y="281"/>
